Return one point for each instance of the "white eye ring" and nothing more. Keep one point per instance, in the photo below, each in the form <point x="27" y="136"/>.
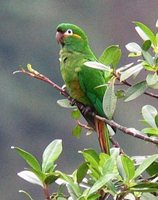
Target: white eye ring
<point x="69" y="32"/>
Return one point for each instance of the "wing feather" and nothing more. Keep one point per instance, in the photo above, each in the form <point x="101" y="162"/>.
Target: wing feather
<point x="90" y="79"/>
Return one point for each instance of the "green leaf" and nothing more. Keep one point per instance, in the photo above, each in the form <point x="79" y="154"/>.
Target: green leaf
<point x="147" y="31"/>
<point x="114" y="152"/>
<point x="131" y="71"/>
<point x="152" y="79"/>
<point x="148" y="58"/>
<point x="112" y="187"/>
<point x="123" y="68"/>
<point x="156" y="57"/>
<point x="145" y="164"/>
<point x="111" y="130"/>
<point x="108" y="166"/>
<point x="29" y="158"/>
<point x="148" y="67"/>
<point x="50" y="178"/>
<point x="109" y="101"/>
<point x="82" y="172"/>
<point x="102" y="181"/>
<point x="133" y="55"/>
<point x="73" y="187"/>
<point x="156" y="24"/>
<point x="145" y="187"/>
<point x="133" y="47"/>
<point x="120" y="94"/>
<point x="135" y="91"/>
<point x="71" y="191"/>
<point x="31" y="177"/>
<point x="148" y="196"/>
<point x="97" y="65"/>
<point x="65" y="103"/>
<point x="93" y="197"/>
<point x="156" y="39"/>
<point x="91" y="157"/>
<point x="138" y="159"/>
<point x="153" y="168"/>
<point x="126" y="168"/>
<point x="155" y="86"/>
<point x="111" y="56"/>
<point x="103" y="158"/>
<point x="149" y="113"/>
<point x="146" y="45"/>
<point x="50" y="155"/>
<point x="156" y="120"/>
<point x="77" y="131"/>
<point x="75" y="114"/>
<point x="150" y="131"/>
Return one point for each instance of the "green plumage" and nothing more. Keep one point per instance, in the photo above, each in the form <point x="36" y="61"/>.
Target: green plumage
<point x="81" y="81"/>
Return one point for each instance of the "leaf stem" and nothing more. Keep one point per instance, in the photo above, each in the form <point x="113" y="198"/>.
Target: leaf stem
<point x="84" y="126"/>
<point x="116" y="145"/>
<point x="46" y="192"/>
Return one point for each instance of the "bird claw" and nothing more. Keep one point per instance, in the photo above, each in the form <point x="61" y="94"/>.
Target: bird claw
<point x="86" y="110"/>
<point x="72" y="102"/>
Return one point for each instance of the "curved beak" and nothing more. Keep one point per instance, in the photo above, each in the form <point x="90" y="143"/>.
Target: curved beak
<point x="59" y="37"/>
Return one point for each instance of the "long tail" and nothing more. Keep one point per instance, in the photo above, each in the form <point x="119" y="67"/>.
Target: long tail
<point x="101" y="129"/>
<point x="103" y="135"/>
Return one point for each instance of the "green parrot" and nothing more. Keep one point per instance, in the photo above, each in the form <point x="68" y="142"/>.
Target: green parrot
<point x="81" y="81"/>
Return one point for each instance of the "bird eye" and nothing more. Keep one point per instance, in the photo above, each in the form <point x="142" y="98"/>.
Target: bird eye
<point x="69" y="32"/>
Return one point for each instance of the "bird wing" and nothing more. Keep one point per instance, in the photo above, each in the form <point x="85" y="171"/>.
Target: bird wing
<point x="93" y="83"/>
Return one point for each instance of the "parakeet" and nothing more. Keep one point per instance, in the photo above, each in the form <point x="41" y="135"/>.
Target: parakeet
<point x="81" y="81"/>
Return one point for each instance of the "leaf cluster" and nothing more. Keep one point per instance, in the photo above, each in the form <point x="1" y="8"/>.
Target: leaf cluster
<point x="99" y="175"/>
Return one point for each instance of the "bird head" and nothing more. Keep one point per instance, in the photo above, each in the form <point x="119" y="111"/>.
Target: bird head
<point x="71" y="36"/>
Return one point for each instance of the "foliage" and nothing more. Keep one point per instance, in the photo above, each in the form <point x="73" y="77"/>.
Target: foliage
<point x="102" y="176"/>
<point x="99" y="173"/>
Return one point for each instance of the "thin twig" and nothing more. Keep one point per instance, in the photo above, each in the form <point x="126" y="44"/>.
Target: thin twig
<point x="113" y="141"/>
<point x="116" y="145"/>
<point x="147" y="93"/>
<point x="130" y="131"/>
<point x="125" y="82"/>
<point x="85" y="126"/>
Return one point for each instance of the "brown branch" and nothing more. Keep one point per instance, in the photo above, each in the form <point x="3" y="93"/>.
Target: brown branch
<point x="85" y="126"/>
<point x="113" y="141"/>
<point x="129" y="84"/>
<point x="147" y="93"/>
<point x="129" y="131"/>
<point x="46" y="193"/>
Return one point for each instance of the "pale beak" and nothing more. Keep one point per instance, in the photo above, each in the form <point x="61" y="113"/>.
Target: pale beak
<point x="59" y="37"/>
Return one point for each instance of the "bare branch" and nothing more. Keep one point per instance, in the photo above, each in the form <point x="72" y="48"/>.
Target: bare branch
<point x="129" y="131"/>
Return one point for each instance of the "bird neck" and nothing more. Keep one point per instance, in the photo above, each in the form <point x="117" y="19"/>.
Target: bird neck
<point x="84" y="50"/>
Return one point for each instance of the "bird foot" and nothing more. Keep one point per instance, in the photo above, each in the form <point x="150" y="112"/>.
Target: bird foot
<point x="86" y="110"/>
<point x="72" y="102"/>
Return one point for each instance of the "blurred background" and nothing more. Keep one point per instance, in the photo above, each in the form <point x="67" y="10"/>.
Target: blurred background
<point x="30" y="117"/>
